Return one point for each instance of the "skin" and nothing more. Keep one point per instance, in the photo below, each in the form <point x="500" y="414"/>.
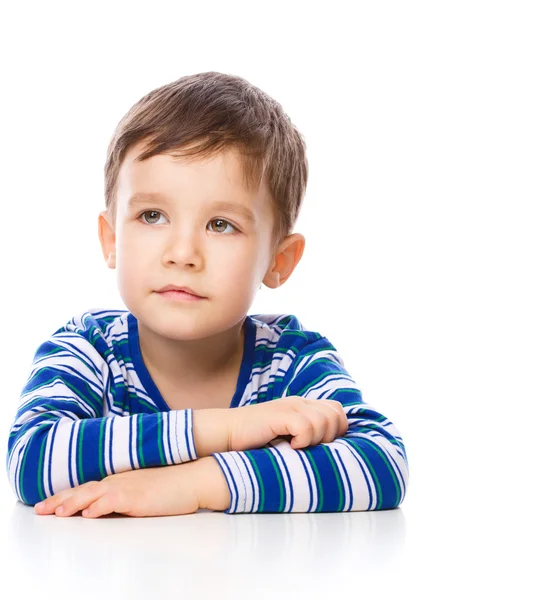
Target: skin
<point x="184" y="242"/>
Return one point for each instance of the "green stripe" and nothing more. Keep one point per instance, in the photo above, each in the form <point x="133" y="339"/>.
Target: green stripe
<point x="80" y="453"/>
<point x="144" y="403"/>
<point x="160" y="446"/>
<point x="259" y="479"/>
<point x="101" y="449"/>
<point x="88" y="392"/>
<point x="336" y="471"/>
<point x="389" y="467"/>
<point x="371" y="470"/>
<point x="332" y="371"/>
<point x="39" y="474"/>
<point x="21" y="471"/>
<point x="377" y="484"/>
<point x="333" y="396"/>
<point x="33" y="422"/>
<point x="280" y="480"/>
<point x="381" y="429"/>
<point x="140" y="440"/>
<point x="54" y="350"/>
<point x="318" y="480"/>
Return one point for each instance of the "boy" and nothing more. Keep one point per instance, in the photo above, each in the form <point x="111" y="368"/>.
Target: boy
<point x="184" y="401"/>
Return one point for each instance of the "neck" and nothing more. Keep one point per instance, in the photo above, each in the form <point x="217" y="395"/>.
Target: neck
<point x="196" y="361"/>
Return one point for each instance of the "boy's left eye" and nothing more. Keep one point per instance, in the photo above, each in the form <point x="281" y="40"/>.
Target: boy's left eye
<point x="222" y="221"/>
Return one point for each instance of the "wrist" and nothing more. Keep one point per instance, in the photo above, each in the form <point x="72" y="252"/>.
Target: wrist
<point x="210" y="484"/>
<point x="210" y="430"/>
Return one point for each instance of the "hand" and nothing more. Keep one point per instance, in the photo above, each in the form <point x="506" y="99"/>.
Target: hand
<point x="307" y="422"/>
<point x="146" y="492"/>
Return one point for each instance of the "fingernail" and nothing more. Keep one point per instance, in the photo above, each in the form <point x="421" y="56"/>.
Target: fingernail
<point x="60" y="510"/>
<point x="39" y="505"/>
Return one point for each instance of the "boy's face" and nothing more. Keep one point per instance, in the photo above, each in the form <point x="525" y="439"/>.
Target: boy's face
<point x="180" y="237"/>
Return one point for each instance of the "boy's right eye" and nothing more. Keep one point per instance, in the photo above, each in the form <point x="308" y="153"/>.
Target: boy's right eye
<point x="148" y="212"/>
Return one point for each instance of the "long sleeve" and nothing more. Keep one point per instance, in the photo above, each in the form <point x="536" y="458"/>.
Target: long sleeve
<point x="60" y="438"/>
<point x="366" y="469"/>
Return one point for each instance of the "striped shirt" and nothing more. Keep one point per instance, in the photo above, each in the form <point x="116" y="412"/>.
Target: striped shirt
<point x="90" y="409"/>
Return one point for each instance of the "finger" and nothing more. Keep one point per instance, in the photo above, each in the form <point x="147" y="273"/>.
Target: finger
<point x="102" y="506"/>
<point x="81" y="499"/>
<point x="320" y="423"/>
<point x="312" y="426"/>
<point x="333" y="426"/>
<point x="299" y="427"/>
<point x="342" y="421"/>
<point x="343" y="424"/>
<point x="332" y="416"/>
<point x="49" y="505"/>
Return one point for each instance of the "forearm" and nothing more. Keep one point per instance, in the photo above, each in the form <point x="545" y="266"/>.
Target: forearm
<point x="210" y="426"/>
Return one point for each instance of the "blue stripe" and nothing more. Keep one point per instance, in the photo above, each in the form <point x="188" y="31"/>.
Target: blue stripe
<point x="301" y="455"/>
<point x="254" y="495"/>
<point x="291" y="491"/>
<point x="228" y="472"/>
<point x="130" y="439"/>
<point x="359" y="461"/>
<point x="18" y="470"/>
<point x="72" y="433"/>
<point x="110" y="445"/>
<point x="395" y="466"/>
<point x="81" y="356"/>
<point x="186" y="435"/>
<point x="169" y="447"/>
<point x="50" y="461"/>
<point x="328" y="476"/>
<point x="351" y="493"/>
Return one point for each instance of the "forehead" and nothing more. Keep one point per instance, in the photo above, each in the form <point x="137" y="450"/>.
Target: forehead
<point x="215" y="179"/>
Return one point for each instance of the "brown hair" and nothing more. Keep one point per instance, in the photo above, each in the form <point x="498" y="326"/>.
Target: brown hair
<point x="203" y="114"/>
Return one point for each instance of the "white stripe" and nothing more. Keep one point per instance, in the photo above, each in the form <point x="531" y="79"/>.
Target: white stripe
<point x="273" y="449"/>
<point x="297" y="473"/>
<point x="45" y="474"/>
<point x="392" y="456"/>
<point x="314" y="486"/>
<point x="342" y="474"/>
<point x="59" y="455"/>
<point x="75" y="426"/>
<point x="356" y="476"/>
<point x="134" y="448"/>
<point x="108" y="435"/>
<point x="120" y="433"/>
<point x="252" y="483"/>
<point x="237" y="469"/>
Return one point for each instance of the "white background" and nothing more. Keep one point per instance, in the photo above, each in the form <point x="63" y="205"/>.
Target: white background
<point x="425" y="216"/>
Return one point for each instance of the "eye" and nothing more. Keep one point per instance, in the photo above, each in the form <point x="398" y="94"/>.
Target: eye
<point x="215" y="221"/>
<point x="148" y="212"/>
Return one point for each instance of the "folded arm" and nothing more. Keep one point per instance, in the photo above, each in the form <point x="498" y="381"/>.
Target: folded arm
<point x="59" y="438"/>
<point x="366" y="469"/>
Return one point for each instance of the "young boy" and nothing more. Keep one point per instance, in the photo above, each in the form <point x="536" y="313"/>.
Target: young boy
<point x="184" y="401"/>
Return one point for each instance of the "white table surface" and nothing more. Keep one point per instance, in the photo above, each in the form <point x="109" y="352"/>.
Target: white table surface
<point x="443" y="547"/>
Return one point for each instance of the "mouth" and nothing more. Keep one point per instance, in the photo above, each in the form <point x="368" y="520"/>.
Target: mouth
<point x="180" y="295"/>
<point x="179" y="289"/>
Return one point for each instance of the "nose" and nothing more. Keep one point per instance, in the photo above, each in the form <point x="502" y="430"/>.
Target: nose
<point x="184" y="246"/>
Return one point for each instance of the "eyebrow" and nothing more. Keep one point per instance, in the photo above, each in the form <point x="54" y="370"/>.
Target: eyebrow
<point x="140" y="198"/>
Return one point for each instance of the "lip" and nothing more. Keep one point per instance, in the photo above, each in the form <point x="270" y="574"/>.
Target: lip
<point x="177" y="288"/>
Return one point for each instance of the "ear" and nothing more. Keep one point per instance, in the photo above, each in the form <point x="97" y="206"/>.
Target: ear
<point x="107" y="237"/>
<point x="287" y="257"/>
